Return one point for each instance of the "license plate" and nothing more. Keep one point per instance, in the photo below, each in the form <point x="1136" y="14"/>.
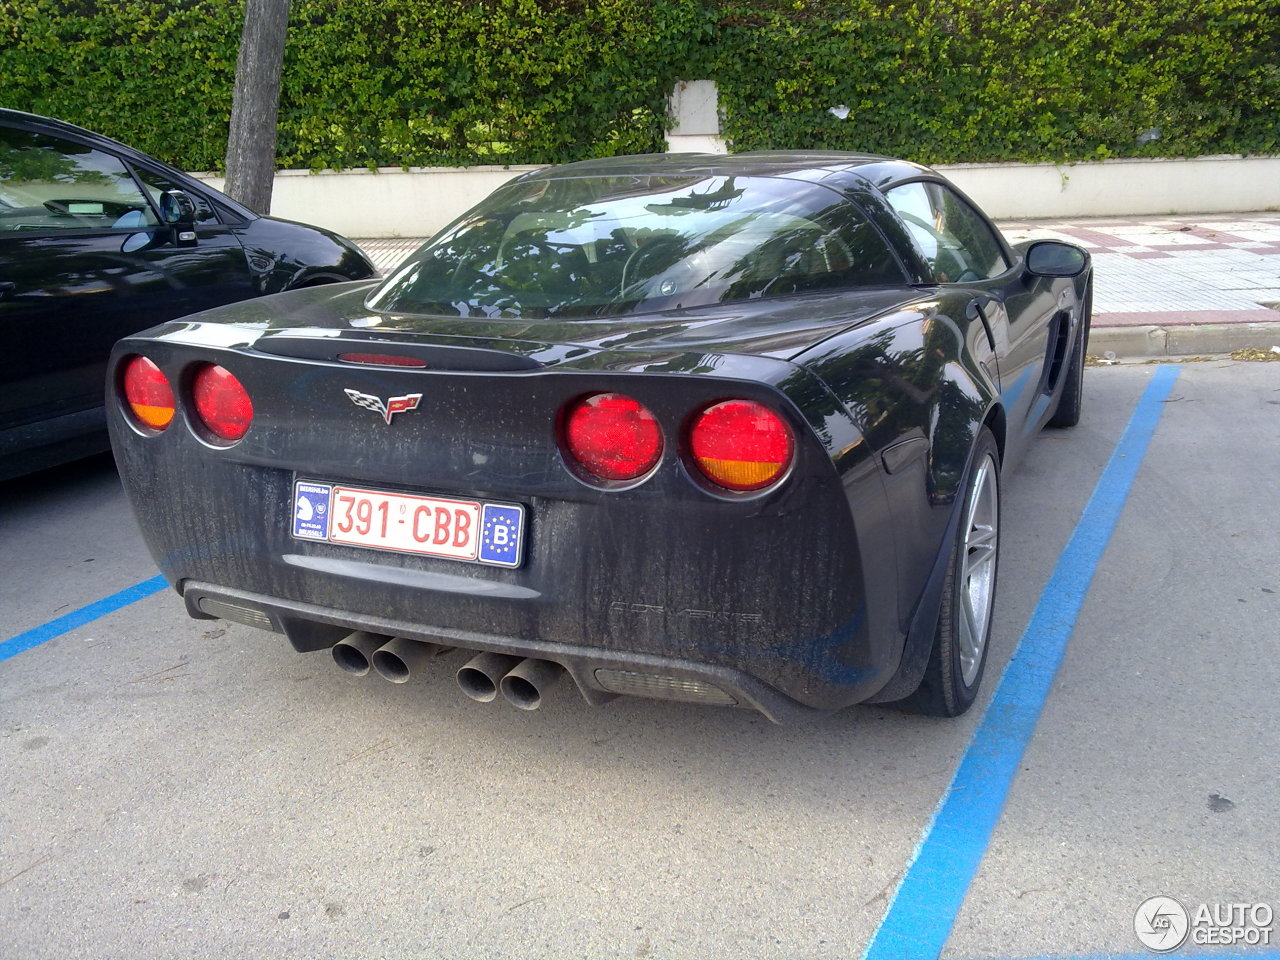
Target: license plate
<point x="469" y="530"/>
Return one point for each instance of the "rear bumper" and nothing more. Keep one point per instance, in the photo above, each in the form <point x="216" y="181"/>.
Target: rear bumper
<point x="310" y="627"/>
<point x="698" y="599"/>
<point x="786" y="600"/>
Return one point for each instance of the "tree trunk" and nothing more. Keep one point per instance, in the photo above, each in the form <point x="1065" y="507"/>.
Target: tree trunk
<point x="251" y="146"/>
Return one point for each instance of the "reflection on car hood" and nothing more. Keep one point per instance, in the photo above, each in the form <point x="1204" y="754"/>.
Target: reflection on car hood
<point x="777" y="327"/>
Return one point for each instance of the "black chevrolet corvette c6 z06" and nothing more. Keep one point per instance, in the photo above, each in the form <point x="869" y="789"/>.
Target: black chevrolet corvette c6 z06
<point x="727" y="430"/>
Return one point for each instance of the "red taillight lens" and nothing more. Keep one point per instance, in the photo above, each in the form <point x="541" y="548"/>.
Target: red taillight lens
<point x="741" y="445"/>
<point x="613" y="436"/>
<point x="148" y="393"/>
<point x="221" y="402"/>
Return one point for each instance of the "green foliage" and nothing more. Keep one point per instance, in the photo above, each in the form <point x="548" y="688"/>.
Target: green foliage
<point x="405" y="82"/>
<point x="985" y="80"/>
<point x="366" y="82"/>
<point x="153" y="74"/>
<point x="429" y="82"/>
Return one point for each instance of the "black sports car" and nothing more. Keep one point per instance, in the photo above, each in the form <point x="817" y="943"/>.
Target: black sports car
<point x="727" y="430"/>
<point x="98" y="241"/>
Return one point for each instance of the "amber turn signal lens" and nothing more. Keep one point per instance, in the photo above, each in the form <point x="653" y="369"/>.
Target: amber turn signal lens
<point x="741" y="445"/>
<point x="147" y="392"/>
<point x="221" y="402"/>
<point x="612" y="436"/>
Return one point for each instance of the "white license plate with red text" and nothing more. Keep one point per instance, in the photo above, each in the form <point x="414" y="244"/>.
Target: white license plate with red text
<point x="469" y="530"/>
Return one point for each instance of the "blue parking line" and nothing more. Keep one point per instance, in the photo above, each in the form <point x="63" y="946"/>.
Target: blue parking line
<point x="1175" y="955"/>
<point x="929" y="896"/>
<point x="78" y="618"/>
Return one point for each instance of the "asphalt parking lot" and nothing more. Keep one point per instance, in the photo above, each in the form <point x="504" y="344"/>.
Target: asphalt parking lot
<point x="179" y="788"/>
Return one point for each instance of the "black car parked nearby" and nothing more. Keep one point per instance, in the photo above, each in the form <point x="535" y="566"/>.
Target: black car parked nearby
<point x="98" y="241"/>
<point x="727" y="430"/>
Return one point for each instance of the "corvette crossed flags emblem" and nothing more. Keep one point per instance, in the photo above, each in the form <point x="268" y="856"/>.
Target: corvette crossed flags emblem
<point x="389" y="408"/>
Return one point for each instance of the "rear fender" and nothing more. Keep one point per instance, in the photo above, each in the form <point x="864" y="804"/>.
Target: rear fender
<point x="918" y="386"/>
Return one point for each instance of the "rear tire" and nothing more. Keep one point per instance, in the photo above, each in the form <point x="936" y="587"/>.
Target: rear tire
<point x="959" y="655"/>
<point x="1068" y="412"/>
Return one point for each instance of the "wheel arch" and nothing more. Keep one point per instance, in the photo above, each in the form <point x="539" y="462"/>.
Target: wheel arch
<point x="313" y="278"/>
<point x="997" y="423"/>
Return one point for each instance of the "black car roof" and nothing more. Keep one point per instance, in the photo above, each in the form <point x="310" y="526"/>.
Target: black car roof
<point x="847" y="170"/>
<point x="60" y="126"/>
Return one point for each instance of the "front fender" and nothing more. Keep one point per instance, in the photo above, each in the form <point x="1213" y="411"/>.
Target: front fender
<point x="283" y="255"/>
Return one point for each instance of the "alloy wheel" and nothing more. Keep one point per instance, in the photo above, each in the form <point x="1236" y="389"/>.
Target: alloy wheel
<point x="978" y="567"/>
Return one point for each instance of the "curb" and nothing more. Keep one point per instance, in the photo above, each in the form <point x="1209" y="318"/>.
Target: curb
<point x="1149" y="340"/>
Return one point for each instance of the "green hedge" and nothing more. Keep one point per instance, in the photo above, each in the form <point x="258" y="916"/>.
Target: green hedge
<point x="422" y="82"/>
<point x="980" y="80"/>
<point x="366" y="82"/>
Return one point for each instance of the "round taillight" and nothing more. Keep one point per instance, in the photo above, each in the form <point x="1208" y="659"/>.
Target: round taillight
<point x="221" y="403"/>
<point x="612" y="436"/>
<point x="147" y="392"/>
<point x="741" y="444"/>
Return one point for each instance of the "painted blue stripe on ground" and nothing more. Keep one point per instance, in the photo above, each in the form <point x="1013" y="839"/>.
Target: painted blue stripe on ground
<point x="928" y="898"/>
<point x="1259" y="954"/>
<point x="78" y="618"/>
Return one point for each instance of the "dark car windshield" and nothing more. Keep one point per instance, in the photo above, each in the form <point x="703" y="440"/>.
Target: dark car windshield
<point x="603" y="246"/>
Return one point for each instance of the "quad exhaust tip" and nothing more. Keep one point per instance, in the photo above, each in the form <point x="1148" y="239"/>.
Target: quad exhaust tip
<point x="354" y="652"/>
<point x="479" y="677"/>
<point x="525" y="685"/>
<point x="523" y="681"/>
<point x="400" y="659"/>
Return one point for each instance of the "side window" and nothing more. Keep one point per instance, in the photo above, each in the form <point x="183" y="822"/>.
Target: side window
<point x="953" y="239"/>
<point x="157" y="185"/>
<point x="47" y="183"/>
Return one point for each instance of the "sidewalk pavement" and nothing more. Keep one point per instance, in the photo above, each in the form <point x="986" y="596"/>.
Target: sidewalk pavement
<point x="1164" y="286"/>
<point x="1177" y="285"/>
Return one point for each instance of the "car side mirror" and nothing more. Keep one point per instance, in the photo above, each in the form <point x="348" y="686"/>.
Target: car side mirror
<point x="179" y="211"/>
<point x="135" y="242"/>
<point x="1053" y="258"/>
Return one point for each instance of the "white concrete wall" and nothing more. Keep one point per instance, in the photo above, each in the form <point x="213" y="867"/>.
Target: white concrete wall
<point x="388" y="203"/>
<point x="418" y="202"/>
<point x="1224" y="184"/>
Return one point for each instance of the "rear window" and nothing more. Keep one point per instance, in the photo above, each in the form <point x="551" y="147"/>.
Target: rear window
<point x="603" y="246"/>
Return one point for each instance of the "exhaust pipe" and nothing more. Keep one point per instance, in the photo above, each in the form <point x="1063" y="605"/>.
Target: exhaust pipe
<point x="353" y="652"/>
<point x="401" y="658"/>
<point x="479" y="676"/>
<point x="524" y="686"/>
